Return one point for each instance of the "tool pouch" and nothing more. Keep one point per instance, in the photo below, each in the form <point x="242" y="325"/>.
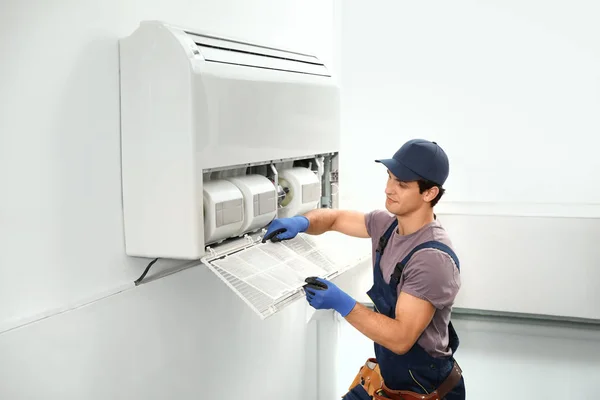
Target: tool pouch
<point x="369" y="379"/>
<point x="366" y="382"/>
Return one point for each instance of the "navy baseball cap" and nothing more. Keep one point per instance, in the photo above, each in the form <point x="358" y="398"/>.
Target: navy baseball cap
<point x="419" y="159"/>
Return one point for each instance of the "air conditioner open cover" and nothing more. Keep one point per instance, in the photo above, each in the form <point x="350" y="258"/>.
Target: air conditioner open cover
<point x="268" y="276"/>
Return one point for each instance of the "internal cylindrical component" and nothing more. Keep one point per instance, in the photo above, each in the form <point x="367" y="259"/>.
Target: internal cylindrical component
<point x="223" y="210"/>
<point x="303" y="191"/>
<point x="260" y="201"/>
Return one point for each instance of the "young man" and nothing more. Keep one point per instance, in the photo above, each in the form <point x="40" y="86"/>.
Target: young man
<point x="416" y="275"/>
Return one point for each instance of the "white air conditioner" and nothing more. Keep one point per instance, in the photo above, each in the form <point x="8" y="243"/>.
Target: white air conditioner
<point x="219" y="137"/>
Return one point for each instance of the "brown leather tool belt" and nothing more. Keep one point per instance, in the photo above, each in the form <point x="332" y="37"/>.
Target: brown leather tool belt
<point x="369" y="377"/>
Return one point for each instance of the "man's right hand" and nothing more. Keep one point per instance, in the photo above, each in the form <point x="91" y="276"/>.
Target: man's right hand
<point x="285" y="228"/>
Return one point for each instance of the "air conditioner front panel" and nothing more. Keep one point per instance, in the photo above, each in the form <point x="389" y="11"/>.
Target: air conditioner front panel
<point x="257" y="114"/>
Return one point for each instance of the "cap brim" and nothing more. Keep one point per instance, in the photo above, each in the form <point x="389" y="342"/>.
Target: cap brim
<point x="400" y="171"/>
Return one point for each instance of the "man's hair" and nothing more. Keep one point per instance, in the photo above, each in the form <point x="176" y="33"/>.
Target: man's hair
<point x="426" y="185"/>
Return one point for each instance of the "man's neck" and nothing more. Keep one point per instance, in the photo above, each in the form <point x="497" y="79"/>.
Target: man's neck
<point x="408" y="224"/>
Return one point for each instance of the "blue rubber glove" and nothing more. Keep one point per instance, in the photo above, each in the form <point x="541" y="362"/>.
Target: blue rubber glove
<point x="285" y="228"/>
<point x="322" y="294"/>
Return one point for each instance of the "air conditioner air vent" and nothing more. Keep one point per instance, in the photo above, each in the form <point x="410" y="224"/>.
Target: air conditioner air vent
<point x="225" y="51"/>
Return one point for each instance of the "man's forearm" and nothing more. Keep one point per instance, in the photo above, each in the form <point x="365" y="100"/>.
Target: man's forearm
<point x="383" y="330"/>
<point x="320" y="220"/>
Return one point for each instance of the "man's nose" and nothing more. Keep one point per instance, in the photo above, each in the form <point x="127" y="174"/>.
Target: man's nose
<point x="388" y="189"/>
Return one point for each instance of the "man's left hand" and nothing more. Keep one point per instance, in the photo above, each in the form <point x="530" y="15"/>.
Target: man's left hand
<point x="322" y="294"/>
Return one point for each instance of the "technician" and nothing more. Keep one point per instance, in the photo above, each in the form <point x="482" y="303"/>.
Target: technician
<point x="416" y="276"/>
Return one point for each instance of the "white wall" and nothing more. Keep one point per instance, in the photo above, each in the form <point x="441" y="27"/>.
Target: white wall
<point x="61" y="227"/>
<point x="180" y="337"/>
<point x="508" y="88"/>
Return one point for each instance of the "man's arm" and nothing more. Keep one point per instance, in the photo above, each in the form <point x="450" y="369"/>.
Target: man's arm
<point x="430" y="282"/>
<point x="400" y="334"/>
<point x="349" y="222"/>
<point x="316" y="222"/>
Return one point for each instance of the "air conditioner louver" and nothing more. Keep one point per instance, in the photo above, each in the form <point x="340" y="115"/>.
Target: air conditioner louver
<point x="223" y="51"/>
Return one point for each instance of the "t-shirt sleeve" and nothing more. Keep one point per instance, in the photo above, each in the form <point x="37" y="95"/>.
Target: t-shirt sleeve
<point x="377" y="222"/>
<point x="431" y="275"/>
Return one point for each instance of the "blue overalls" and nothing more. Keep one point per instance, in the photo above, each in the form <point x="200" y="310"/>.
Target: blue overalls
<point x="416" y="371"/>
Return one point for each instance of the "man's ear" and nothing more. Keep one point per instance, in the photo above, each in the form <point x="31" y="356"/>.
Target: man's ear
<point x="431" y="194"/>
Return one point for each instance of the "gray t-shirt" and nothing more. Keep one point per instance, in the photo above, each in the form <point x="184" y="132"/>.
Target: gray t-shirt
<point x="430" y="274"/>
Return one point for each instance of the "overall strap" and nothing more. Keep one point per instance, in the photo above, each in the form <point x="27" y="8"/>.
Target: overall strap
<point x="383" y="240"/>
<point x="378" y="292"/>
<point x="426" y="245"/>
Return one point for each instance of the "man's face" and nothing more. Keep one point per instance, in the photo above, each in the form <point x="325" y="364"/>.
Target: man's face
<point x="403" y="198"/>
